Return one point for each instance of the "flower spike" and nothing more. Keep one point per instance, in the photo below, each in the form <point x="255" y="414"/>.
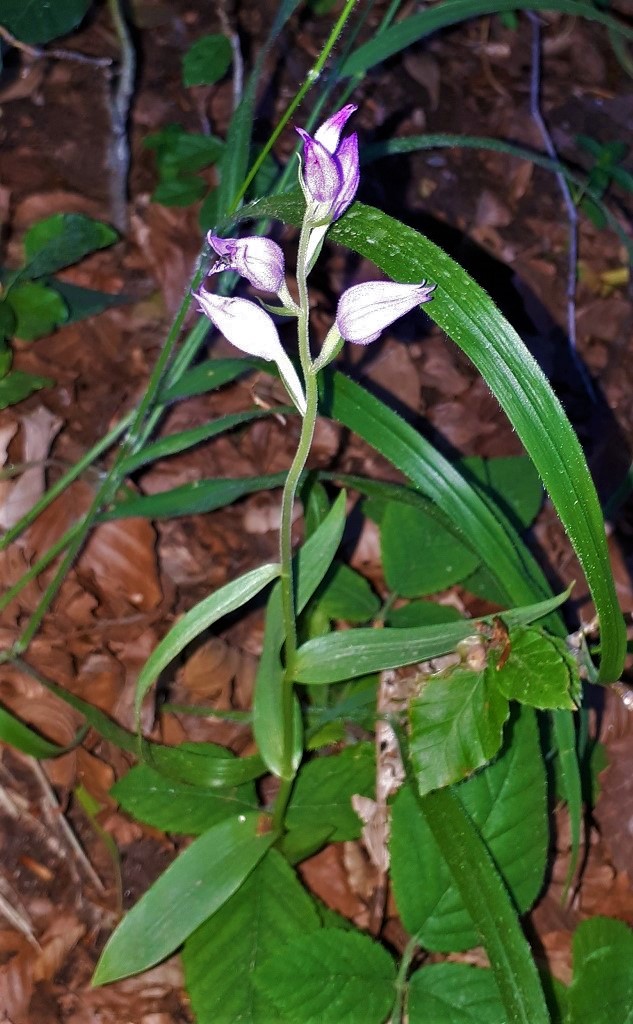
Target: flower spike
<point x="248" y="327"/>
<point x="365" y="310"/>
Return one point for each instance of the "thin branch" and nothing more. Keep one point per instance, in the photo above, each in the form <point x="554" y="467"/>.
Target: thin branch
<point x="54" y="52"/>
<point x="120" y="103"/>
<point x="572" y="212"/>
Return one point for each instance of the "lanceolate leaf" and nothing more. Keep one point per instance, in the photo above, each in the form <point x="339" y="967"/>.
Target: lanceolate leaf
<point x="61" y="240"/>
<point x="347" y="654"/>
<point x="450" y="12"/>
<point x="18" y="735"/>
<point x="227" y="599"/>
<point x="192" y="499"/>
<point x="462" y="853"/>
<point x="471" y="319"/>
<point x="312" y="563"/>
<point x="197" y="884"/>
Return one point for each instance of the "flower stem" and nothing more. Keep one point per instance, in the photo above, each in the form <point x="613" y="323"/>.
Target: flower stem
<point x="287" y="505"/>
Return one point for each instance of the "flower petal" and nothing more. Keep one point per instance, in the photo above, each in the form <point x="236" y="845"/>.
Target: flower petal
<point x="330" y="131"/>
<point x="247" y="326"/>
<point x="366" y="309"/>
<point x="321" y="170"/>
<point x="347" y="156"/>
<point x="258" y="259"/>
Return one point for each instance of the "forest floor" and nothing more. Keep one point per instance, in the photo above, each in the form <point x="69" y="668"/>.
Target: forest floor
<point x="503" y="218"/>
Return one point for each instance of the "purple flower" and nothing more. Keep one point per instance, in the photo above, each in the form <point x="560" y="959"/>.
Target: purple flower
<point x="366" y="309"/>
<point x="259" y="260"/>
<point x="247" y="326"/>
<point x="330" y="173"/>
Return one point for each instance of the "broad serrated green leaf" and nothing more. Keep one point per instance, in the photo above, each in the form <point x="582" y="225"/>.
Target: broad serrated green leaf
<point x="455" y="726"/>
<point x="312" y="562"/>
<point x="38" y="310"/>
<point x="331" y="975"/>
<point x="539" y="671"/>
<point x="61" y="240"/>
<point x="38" y="22"/>
<point x="451" y="12"/>
<point x="513" y="483"/>
<point x="221" y="956"/>
<point x="324" y="788"/>
<point x="419" y="556"/>
<point x="207" y="61"/>
<point x="454" y="994"/>
<point x="225" y="600"/>
<point x="195" y="498"/>
<point x="601" y="991"/>
<point x="422" y="613"/>
<point x="195" y="886"/>
<point x="358" y="652"/>
<point x="347" y="595"/>
<point x="507" y="803"/>
<point x="18" y="385"/>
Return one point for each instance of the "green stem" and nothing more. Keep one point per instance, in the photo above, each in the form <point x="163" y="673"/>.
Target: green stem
<point x="312" y="76"/>
<point x="397" y="1012"/>
<point x="287" y="505"/>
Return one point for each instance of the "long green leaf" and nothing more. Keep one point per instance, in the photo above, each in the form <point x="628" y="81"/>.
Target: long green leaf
<point x="225" y="600"/>
<point x="197" y="884"/>
<point x="312" y="562"/>
<point x="345" y="655"/>
<point x="489" y="905"/>
<point x="18" y="735"/>
<point x="450" y="12"/>
<point x="184" y="439"/>
<point x="468" y="315"/>
<point x="192" y="499"/>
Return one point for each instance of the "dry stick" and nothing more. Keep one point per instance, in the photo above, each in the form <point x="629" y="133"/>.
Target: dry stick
<point x="57" y="819"/>
<point x="572" y="212"/>
<point x="238" y="61"/>
<point x="54" y="53"/>
<point x="120" y="102"/>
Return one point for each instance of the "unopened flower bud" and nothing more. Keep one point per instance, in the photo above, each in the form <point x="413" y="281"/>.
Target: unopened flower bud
<point x="259" y="260"/>
<point x="247" y="326"/>
<point x="366" y="309"/>
<point x="330" y="171"/>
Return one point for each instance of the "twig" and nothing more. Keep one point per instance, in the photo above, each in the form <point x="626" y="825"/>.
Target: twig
<point x="16" y="914"/>
<point x="120" y="103"/>
<point x="54" y="52"/>
<point x="55" y="816"/>
<point x="238" y="62"/>
<point x="572" y="212"/>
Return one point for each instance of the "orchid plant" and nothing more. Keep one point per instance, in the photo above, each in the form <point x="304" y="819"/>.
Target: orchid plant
<point x="443" y="778"/>
<point x="329" y="177"/>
